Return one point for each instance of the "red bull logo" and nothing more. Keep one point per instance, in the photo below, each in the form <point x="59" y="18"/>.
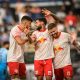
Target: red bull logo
<point x="58" y="49"/>
<point x="41" y="40"/>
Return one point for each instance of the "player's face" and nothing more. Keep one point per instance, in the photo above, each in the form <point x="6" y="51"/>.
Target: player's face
<point x="38" y="23"/>
<point x="7" y="46"/>
<point x="27" y="25"/>
<point x="53" y="32"/>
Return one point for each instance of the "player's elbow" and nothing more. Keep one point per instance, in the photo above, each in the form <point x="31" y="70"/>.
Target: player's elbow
<point x="21" y="43"/>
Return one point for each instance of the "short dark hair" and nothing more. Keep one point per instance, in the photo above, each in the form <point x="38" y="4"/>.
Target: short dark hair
<point x="52" y="25"/>
<point x="5" y="42"/>
<point x="26" y="18"/>
<point x="43" y="20"/>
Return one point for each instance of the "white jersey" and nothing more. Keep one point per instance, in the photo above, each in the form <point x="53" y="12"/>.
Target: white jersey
<point x="62" y="50"/>
<point x="16" y="51"/>
<point x="44" y="44"/>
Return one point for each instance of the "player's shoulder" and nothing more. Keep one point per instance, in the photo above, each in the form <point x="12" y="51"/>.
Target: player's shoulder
<point x="36" y="32"/>
<point x="15" y="29"/>
<point x="65" y="33"/>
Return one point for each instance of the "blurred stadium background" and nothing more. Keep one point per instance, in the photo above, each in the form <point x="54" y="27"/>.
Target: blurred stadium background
<point x="11" y="12"/>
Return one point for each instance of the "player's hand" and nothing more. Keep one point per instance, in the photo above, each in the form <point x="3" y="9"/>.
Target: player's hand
<point x="73" y="36"/>
<point x="33" y="39"/>
<point x="26" y="31"/>
<point x="48" y="15"/>
<point x="46" y="12"/>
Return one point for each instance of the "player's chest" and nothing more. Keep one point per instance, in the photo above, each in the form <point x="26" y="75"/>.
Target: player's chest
<point x="59" y="44"/>
<point x="61" y="40"/>
<point x="42" y="37"/>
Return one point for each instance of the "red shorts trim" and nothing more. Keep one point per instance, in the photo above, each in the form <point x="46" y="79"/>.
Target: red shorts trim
<point x="43" y="67"/>
<point x="16" y="68"/>
<point x="64" y="72"/>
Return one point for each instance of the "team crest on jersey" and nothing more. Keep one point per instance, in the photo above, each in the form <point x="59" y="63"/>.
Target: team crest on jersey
<point x="58" y="48"/>
<point x="41" y="39"/>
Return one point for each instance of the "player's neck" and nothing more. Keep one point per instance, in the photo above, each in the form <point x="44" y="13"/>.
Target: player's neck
<point x="59" y="33"/>
<point x="42" y="29"/>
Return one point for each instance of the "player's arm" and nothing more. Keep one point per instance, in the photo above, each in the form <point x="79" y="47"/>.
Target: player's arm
<point x="30" y="39"/>
<point x="51" y="16"/>
<point x="75" y="42"/>
<point x="17" y="36"/>
<point x="56" y="18"/>
<point x="20" y="41"/>
<point x="72" y="38"/>
<point x="33" y="37"/>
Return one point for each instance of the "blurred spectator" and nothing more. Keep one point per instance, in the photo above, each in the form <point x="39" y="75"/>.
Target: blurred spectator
<point x="24" y="12"/>
<point x="3" y="61"/>
<point x="2" y="15"/>
<point x="78" y="26"/>
<point x="71" y="24"/>
<point x="61" y="14"/>
<point x="4" y="37"/>
<point x="10" y="13"/>
<point x="0" y="38"/>
<point x="8" y="19"/>
<point x="19" y="6"/>
<point x="60" y="27"/>
<point x="18" y="9"/>
<point x="71" y="20"/>
<point x="35" y="12"/>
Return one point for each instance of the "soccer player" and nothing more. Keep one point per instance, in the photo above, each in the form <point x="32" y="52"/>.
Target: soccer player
<point x="15" y="56"/>
<point x="3" y="60"/>
<point x="62" y="61"/>
<point x="43" y="51"/>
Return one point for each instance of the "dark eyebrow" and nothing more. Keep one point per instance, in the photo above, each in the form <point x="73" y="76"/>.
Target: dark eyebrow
<point x="52" y="31"/>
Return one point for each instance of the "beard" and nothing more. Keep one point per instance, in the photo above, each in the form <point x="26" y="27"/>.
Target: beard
<point x="39" y="27"/>
<point x="55" y="35"/>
